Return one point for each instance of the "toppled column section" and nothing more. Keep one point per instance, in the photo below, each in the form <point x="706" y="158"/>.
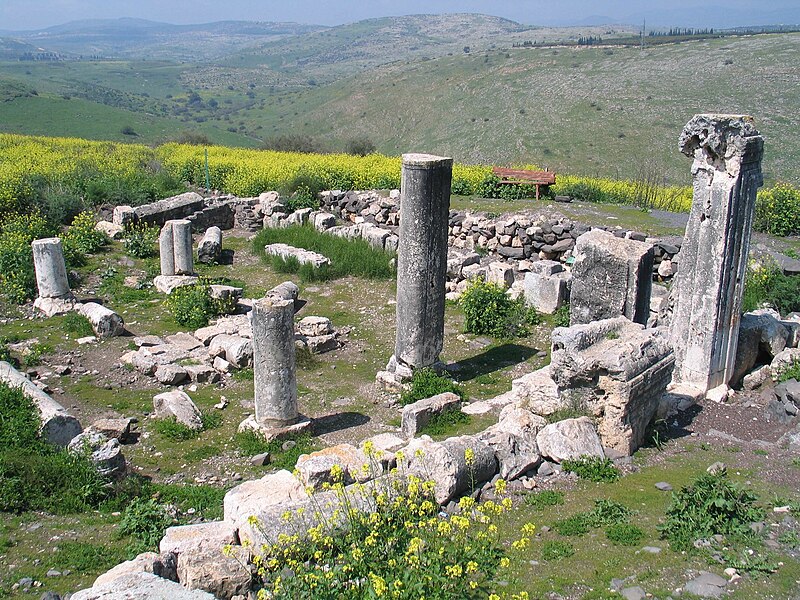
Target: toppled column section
<point x="209" y="249"/>
<point x="707" y="293"/>
<point x="105" y="322"/>
<point x="616" y="370"/>
<point x="58" y="426"/>
<point x="272" y="321"/>
<point x="55" y="296"/>
<point x="175" y="248"/>
<point x="422" y="262"/>
<point x="611" y="277"/>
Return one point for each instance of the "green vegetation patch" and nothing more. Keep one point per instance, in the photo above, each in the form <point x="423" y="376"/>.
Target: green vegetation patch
<point x="193" y="306"/>
<point x="488" y="310"/>
<point x="592" y="468"/>
<point x="348" y="257"/>
<point x="282" y="455"/>
<point x="425" y="383"/>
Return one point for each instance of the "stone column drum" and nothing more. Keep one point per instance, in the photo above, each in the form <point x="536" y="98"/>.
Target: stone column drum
<point x="422" y="261"/>
<point x="51" y="271"/>
<point x="707" y="291"/>
<point x="175" y="248"/>
<point x="272" y="320"/>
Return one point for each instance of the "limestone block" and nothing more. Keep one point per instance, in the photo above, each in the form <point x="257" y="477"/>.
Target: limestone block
<point x="783" y="360"/>
<point x="757" y="378"/>
<point x="545" y="267"/>
<point x="513" y="440"/>
<point x="209" y="570"/>
<point x="51" y="307"/>
<point x="166" y="284"/>
<point x="120" y="429"/>
<point x="57" y="427"/>
<point x="104" y="453"/>
<point x="315" y="468"/>
<point x="304" y="257"/>
<point x="225" y="292"/>
<point x="319" y="344"/>
<point x="324" y="221"/>
<point x="210" y="247"/>
<point x="112" y="230"/>
<point x="569" y="439"/>
<point x="212" y="535"/>
<point x="545" y="293"/>
<point x="537" y="392"/>
<point x="500" y="273"/>
<point x="179" y="405"/>
<point x="312" y="326"/>
<point x="235" y="349"/>
<point x="171" y="374"/>
<point x="175" y="207"/>
<point x="611" y="276"/>
<point x="202" y="373"/>
<point x="417" y="415"/>
<point x="446" y="464"/>
<point x="105" y="322"/>
<point x="123" y="216"/>
<point x="140" y="585"/>
<point x="161" y="565"/>
<point x="275" y="489"/>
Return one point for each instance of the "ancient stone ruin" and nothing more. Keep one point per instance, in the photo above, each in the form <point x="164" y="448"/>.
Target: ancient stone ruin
<point x="726" y="169"/>
<point x="55" y="296"/>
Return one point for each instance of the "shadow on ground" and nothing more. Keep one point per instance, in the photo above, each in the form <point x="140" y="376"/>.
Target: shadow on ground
<point x="493" y="359"/>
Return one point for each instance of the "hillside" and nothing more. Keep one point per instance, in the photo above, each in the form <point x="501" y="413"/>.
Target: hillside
<point x="408" y="83"/>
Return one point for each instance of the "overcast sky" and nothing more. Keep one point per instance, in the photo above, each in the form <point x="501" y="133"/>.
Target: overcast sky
<point x="34" y="14"/>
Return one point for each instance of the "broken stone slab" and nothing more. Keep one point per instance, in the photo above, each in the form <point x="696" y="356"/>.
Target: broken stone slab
<point x="706" y="585"/>
<point x="225" y="576"/>
<point x="755" y="379"/>
<point x="324" y="221"/>
<point x="57" y="427"/>
<point x="569" y="439"/>
<point x="184" y="341"/>
<point x="315" y="469"/>
<point x="227" y="293"/>
<point x="783" y="361"/>
<point x="707" y="291"/>
<point x="537" y="392"/>
<point x="166" y="284"/>
<point x="417" y="415"/>
<point x="236" y="350"/>
<point x="759" y="333"/>
<point x="213" y="535"/>
<point x="50" y="307"/>
<point x="161" y="565"/>
<point x="319" y="344"/>
<point x="210" y="247"/>
<point x="171" y="374"/>
<point x="301" y="255"/>
<point x="611" y="276"/>
<point x="274" y="489"/>
<point x="384" y="443"/>
<point x="123" y="215"/>
<point x="147" y="340"/>
<point x="314" y="326"/>
<point x="140" y="585"/>
<point x="500" y="273"/>
<point x="120" y="429"/>
<point x="616" y="370"/>
<point x="179" y="405"/>
<point x="446" y="464"/>
<point x="546" y="293"/>
<point x="678" y="398"/>
<point x="202" y="373"/>
<point x="513" y="440"/>
<point x="104" y="453"/>
<point x="112" y="230"/>
<point x="275" y="432"/>
<point x="105" y="322"/>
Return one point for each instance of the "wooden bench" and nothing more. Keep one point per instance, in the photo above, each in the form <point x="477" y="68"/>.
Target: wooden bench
<point x="524" y="177"/>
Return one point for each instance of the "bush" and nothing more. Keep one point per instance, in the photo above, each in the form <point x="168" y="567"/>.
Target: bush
<point x="303" y="191"/>
<point x="765" y="283"/>
<point x="360" y="146"/>
<point x="192" y="305"/>
<point x="489" y="310"/>
<point x="82" y="237"/>
<point x="778" y="210"/>
<point x="401" y="548"/>
<point x="140" y="240"/>
<point x="425" y="383"/>
<point x="17" y="276"/>
<point x="491" y="187"/>
<point x="561" y="316"/>
<point x="592" y="468"/>
<point x="145" y="520"/>
<point x="544" y="498"/>
<point x="710" y="505"/>
<point x="624" y="534"/>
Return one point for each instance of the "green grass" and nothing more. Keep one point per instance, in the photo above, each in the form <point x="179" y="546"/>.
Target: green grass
<point x="425" y="383"/>
<point x="77" y="325"/>
<point x="544" y="498"/>
<point x="348" y="257"/>
<point x="83" y="557"/>
<point x="446" y="423"/>
<point x="250" y="443"/>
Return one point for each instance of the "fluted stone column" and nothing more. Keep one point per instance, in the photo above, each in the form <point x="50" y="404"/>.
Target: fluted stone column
<point x="55" y="296"/>
<point x="707" y="291"/>
<point x="422" y="262"/>
<point x="175" y="248"/>
<point x="272" y="320"/>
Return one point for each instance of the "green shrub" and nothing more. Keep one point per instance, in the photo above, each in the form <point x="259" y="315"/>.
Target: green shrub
<point x="554" y="550"/>
<point x="17" y="277"/>
<point x="145" y="519"/>
<point x="488" y="310"/>
<point x="491" y="187"/>
<point x="592" y="468"/>
<point x="303" y="191"/>
<point x="778" y="210"/>
<point x="561" y="316"/>
<point x="446" y="422"/>
<point x="19" y="421"/>
<point x="765" y="283"/>
<point x="624" y="534"/>
<point x="608" y="512"/>
<point x="710" y="505"/>
<point x="425" y="383"/>
<point x="82" y="237"/>
<point x="545" y="498"/>
<point x="33" y="356"/>
<point x="792" y="371"/>
<point x="192" y="305"/>
<point x="174" y="431"/>
<point x="576" y="525"/>
<point x="348" y="257"/>
<point x="140" y="240"/>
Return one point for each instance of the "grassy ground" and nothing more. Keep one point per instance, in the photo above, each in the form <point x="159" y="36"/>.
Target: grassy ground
<point x="337" y="389"/>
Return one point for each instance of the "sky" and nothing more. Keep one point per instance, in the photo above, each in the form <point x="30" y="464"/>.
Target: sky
<point x="36" y="14"/>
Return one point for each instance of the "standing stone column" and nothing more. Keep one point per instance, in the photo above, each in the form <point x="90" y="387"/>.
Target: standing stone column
<point x="175" y="248"/>
<point x="272" y="320"/>
<point x="55" y="296"/>
<point x="422" y="262"/>
<point x="707" y="291"/>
